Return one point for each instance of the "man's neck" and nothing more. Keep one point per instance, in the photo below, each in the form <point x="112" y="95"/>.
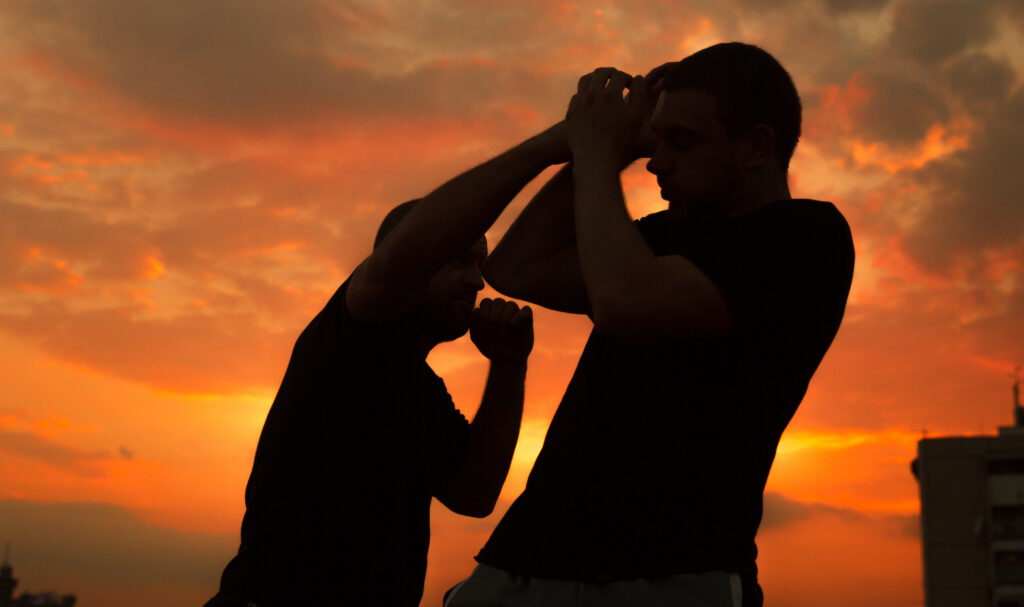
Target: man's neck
<point x="759" y="195"/>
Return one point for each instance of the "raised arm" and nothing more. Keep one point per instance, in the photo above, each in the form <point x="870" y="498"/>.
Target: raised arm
<point x="537" y="259"/>
<point x="634" y="294"/>
<point x="443" y="225"/>
<point x="504" y="334"/>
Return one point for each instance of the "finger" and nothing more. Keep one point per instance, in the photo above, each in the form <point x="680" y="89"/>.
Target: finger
<point x="600" y="78"/>
<point x="498" y="310"/>
<point x="618" y="80"/>
<point x="636" y="103"/>
<point x="523" y="317"/>
<point x="584" y="84"/>
<point x="654" y="76"/>
<point x="508" y="312"/>
<point x="485" y="308"/>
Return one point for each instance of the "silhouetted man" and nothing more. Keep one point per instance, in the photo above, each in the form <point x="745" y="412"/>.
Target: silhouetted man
<point x="362" y="433"/>
<point x="709" y="320"/>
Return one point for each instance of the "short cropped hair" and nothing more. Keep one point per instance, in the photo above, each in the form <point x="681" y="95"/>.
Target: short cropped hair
<point x="750" y="87"/>
<point x="391" y="220"/>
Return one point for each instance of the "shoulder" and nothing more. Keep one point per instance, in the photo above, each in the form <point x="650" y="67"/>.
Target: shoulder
<point x="803" y="212"/>
<point x="801" y="224"/>
<point x="334" y="332"/>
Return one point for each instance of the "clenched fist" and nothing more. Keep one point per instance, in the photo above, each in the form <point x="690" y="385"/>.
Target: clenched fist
<point x="502" y="331"/>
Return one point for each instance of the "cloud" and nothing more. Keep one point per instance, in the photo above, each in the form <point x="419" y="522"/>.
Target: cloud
<point x="104" y="554"/>
<point x="52" y="453"/>
<point x="270" y="66"/>
<point x="980" y="81"/>
<point x="930" y="31"/>
<point x="194" y="352"/>
<point x="71" y="242"/>
<point x="900" y="108"/>
<point x="780" y="511"/>
<point x="975" y="195"/>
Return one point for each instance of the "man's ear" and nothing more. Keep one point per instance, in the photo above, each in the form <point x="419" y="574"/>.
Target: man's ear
<point x="761" y="139"/>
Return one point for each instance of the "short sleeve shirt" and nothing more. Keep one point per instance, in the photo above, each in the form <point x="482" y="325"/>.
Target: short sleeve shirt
<point x="656" y="459"/>
<point x="360" y="435"/>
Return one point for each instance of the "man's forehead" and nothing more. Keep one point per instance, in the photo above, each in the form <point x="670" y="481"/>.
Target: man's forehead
<point x="687" y="108"/>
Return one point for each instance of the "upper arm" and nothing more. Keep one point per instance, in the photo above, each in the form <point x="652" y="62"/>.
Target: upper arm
<point x="555" y="282"/>
<point x="376" y="294"/>
<point x="674" y="299"/>
<point x="448" y="432"/>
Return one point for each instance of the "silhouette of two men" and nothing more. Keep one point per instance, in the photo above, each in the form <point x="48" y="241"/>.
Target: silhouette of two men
<point x="709" y="320"/>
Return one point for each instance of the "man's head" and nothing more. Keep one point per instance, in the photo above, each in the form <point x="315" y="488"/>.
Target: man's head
<point x="724" y="114"/>
<point x="444" y="304"/>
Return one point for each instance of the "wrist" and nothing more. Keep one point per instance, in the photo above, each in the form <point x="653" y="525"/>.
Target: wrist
<point x="551" y="144"/>
<point x="599" y="160"/>
<point x="510" y="364"/>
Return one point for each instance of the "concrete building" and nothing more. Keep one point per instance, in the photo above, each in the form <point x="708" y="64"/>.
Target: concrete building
<point x="8" y="583"/>
<point x="972" y="517"/>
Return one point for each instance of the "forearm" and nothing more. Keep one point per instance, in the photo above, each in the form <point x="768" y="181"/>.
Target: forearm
<point x="614" y="258"/>
<point x="451" y="218"/>
<point x="493" y="434"/>
<point x="543" y="228"/>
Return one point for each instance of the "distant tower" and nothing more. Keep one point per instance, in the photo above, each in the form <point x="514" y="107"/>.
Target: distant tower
<point x="7" y="581"/>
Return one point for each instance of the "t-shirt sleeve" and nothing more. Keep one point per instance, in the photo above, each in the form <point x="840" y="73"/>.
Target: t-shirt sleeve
<point x="786" y="272"/>
<point x="333" y="337"/>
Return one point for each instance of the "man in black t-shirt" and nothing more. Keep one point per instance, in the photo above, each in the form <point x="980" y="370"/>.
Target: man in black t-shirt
<point x="362" y="433"/>
<point x="709" y="320"/>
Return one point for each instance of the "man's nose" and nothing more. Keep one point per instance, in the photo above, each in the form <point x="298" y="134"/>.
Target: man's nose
<point x="656" y="164"/>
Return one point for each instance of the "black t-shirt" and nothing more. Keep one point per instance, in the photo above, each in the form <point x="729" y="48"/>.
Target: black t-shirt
<point x="656" y="459"/>
<point x="360" y="436"/>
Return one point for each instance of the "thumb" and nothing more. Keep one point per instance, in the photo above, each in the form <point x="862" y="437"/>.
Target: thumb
<point x="636" y="103"/>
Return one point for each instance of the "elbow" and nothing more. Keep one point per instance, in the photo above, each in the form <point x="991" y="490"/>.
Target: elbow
<point x="613" y="321"/>
<point x="500" y="278"/>
<point x="481" y="511"/>
<point x="477" y="508"/>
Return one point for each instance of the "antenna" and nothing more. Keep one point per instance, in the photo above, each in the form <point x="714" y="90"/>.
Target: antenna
<point x="1018" y="410"/>
<point x="1016" y="387"/>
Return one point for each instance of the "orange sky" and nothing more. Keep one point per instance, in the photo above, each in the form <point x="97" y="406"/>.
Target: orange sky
<point x="184" y="183"/>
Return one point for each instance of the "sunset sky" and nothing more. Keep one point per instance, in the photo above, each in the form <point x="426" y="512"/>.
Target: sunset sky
<point x="183" y="184"/>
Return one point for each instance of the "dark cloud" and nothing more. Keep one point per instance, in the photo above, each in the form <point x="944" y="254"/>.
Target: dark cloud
<point x="900" y="107"/>
<point x="854" y="6"/>
<point x="89" y="548"/>
<point x="50" y="453"/>
<point x="980" y="81"/>
<point x="931" y="31"/>
<point x="264" y="65"/>
<point x="780" y="511"/>
<point x="976" y="193"/>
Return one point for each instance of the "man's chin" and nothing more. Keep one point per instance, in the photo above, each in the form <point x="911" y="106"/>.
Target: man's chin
<point x="456" y="327"/>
